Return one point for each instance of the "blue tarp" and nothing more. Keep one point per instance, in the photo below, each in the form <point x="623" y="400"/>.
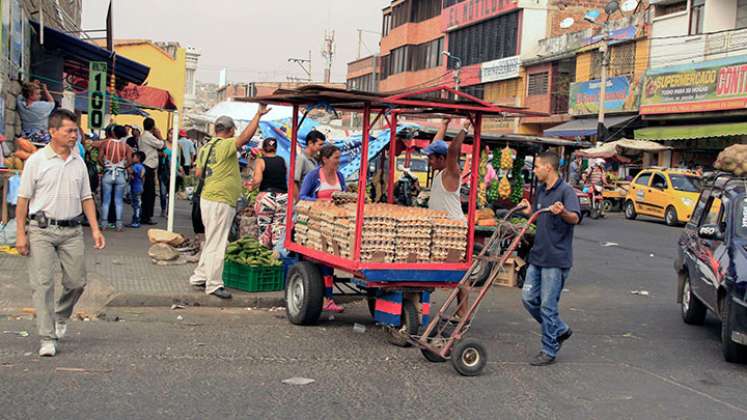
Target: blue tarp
<point x="350" y="147"/>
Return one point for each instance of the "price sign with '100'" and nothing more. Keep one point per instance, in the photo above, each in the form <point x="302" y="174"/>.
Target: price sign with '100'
<point x="97" y="94"/>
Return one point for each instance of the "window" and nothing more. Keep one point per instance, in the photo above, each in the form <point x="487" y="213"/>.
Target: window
<point x="401" y="14"/>
<point x="714" y="212"/>
<point x="425" y="9"/>
<point x="622" y="59"/>
<point x="486" y="41"/>
<point x="668" y="9"/>
<point x="365" y="83"/>
<point x="643" y="179"/>
<point x="741" y="14"/>
<point x="449" y="3"/>
<point x="478" y="91"/>
<point x="537" y="84"/>
<point x="685" y="183"/>
<point x="697" y="15"/>
<point x="659" y="182"/>
<point x="386" y="25"/>
<point x="426" y="56"/>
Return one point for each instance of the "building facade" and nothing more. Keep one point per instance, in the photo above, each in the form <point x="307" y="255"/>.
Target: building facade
<point x="192" y="58"/>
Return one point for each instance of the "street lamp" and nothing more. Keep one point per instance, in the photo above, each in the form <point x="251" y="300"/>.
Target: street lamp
<point x="458" y="68"/>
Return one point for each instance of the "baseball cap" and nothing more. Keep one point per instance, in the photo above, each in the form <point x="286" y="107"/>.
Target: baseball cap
<point x="224" y="123"/>
<point x="438" y="147"/>
<point x="182" y="133"/>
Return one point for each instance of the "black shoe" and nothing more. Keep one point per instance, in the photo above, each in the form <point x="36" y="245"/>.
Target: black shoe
<point x="542" y="359"/>
<point x="222" y="293"/>
<point x="563" y="337"/>
<point x="148" y="222"/>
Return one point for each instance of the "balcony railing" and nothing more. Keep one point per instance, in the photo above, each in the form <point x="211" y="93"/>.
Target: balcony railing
<point x="697" y="48"/>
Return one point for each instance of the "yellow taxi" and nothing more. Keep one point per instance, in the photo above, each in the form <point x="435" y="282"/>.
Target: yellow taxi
<point x="668" y="194"/>
<point x="418" y="167"/>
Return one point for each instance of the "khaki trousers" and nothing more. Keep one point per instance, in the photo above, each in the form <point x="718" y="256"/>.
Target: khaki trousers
<point x="48" y="248"/>
<point x="217" y="218"/>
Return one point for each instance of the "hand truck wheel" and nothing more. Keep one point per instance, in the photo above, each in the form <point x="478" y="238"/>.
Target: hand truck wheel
<point x="469" y="357"/>
<point x="431" y="356"/>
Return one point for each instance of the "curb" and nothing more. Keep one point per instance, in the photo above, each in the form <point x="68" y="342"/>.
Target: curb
<point x="239" y="300"/>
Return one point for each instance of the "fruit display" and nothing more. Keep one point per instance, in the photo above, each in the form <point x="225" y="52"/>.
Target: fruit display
<point x="248" y="251"/>
<point x="733" y="159"/>
<point x="520" y="222"/>
<point x="507" y="158"/>
<point x="517" y="180"/>
<point x="504" y="189"/>
<point x="492" y="191"/>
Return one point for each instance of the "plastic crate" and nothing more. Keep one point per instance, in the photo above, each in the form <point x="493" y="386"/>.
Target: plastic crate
<point x="253" y="279"/>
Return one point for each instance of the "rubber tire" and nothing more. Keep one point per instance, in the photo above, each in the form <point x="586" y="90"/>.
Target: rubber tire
<point x="313" y="293"/>
<point x="695" y="314"/>
<point x="431" y="356"/>
<point x="733" y="352"/>
<point x="630" y="212"/>
<point x="484" y="268"/>
<point x="608" y="205"/>
<point x="467" y="347"/>
<point x="410" y="325"/>
<point x="670" y="217"/>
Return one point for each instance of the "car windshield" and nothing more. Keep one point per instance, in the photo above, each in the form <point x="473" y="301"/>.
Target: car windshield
<point x="742" y="218"/>
<point x="685" y="183"/>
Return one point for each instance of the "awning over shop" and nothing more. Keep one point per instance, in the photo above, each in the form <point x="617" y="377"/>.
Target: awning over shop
<point x="82" y="52"/>
<point x="688" y="132"/>
<point x="123" y="106"/>
<point x="614" y="148"/>
<point x="149" y="97"/>
<point x="586" y="126"/>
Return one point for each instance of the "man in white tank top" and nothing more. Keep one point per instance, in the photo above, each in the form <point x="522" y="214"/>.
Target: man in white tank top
<point x="444" y="159"/>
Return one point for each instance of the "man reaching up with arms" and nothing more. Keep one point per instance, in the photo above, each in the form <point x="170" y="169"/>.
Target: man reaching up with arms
<point x="551" y="257"/>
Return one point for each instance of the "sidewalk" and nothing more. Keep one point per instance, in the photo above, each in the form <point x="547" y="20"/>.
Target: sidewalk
<point x="124" y="275"/>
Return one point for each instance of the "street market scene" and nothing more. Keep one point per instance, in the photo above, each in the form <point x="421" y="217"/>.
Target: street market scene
<point x="401" y="208"/>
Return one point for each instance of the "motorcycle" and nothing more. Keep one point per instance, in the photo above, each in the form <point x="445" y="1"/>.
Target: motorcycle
<point x="597" y="200"/>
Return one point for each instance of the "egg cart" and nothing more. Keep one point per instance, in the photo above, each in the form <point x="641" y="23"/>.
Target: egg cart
<point x="398" y="292"/>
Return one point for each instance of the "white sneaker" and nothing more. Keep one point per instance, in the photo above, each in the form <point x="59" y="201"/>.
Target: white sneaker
<point x="60" y="329"/>
<point x="48" y="349"/>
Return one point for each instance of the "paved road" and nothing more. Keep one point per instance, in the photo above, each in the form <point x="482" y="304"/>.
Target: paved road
<point x="631" y="357"/>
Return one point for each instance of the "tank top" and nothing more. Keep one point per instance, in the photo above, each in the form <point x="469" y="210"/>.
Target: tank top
<point x="326" y="189"/>
<point x="115" y="154"/>
<point x="274" y="177"/>
<point x="444" y="200"/>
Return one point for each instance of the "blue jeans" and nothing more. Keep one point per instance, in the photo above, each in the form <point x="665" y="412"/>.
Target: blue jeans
<point x="163" y="189"/>
<point x="541" y="293"/>
<point x="115" y="183"/>
<point x="136" y="200"/>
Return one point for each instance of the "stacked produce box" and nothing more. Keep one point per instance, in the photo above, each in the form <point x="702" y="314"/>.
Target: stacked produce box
<point x="390" y="233"/>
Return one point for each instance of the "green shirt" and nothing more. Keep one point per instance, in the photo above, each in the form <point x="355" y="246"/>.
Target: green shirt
<point x="222" y="178"/>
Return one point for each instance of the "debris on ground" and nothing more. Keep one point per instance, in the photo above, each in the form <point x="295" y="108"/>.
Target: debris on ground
<point x="18" y="333"/>
<point x="175" y="307"/>
<point x="180" y="318"/>
<point x="298" y="381"/>
<point x="108" y="318"/>
<point x="609" y="244"/>
<point x="160" y="236"/>
<point x="162" y="252"/>
<point x="82" y="370"/>
<point x="359" y="328"/>
<point x="639" y="292"/>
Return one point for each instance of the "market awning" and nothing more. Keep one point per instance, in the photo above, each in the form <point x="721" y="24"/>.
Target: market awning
<point x="149" y="97"/>
<point x="688" y="132"/>
<point x="122" y="106"/>
<point x="586" y="126"/>
<point x="614" y="148"/>
<point x="82" y="53"/>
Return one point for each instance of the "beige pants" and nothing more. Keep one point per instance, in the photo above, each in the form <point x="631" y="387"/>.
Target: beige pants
<point x="48" y="248"/>
<point x="217" y="218"/>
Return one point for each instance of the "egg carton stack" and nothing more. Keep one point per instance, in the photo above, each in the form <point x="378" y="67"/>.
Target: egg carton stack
<point x="449" y="240"/>
<point x="315" y="225"/>
<point x="379" y="233"/>
<point x="301" y="226"/>
<point x="413" y="236"/>
<point x="337" y="231"/>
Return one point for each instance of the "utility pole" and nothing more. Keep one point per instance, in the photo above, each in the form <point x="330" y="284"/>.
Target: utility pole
<point x="328" y="52"/>
<point x="605" y="50"/>
<point x="360" y="42"/>
<point x="302" y="62"/>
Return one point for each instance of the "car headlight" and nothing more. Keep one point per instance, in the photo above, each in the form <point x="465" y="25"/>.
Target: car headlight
<point x="688" y="202"/>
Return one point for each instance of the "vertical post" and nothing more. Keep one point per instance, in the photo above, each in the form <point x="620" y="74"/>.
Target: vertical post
<point x="601" y="130"/>
<point x="392" y="157"/>
<point x="41" y="24"/>
<point x="362" y="178"/>
<point x="291" y="177"/>
<point x="474" y="186"/>
<point x="172" y="177"/>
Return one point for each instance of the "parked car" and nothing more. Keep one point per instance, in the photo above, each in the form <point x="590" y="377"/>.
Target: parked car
<point x="711" y="263"/>
<point x="667" y="194"/>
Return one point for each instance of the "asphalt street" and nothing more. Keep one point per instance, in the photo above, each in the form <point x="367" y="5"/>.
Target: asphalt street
<point x="631" y="356"/>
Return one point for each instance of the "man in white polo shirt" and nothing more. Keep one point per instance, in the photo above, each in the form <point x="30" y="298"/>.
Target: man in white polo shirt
<point x="55" y="191"/>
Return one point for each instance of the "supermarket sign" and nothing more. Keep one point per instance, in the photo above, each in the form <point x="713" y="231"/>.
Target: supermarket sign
<point x="501" y="69"/>
<point x="708" y="86"/>
<point x="468" y="12"/>
<point x="619" y="96"/>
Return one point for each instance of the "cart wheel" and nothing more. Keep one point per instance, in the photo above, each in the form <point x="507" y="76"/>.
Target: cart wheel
<point x="482" y="269"/>
<point x="431" y="356"/>
<point x="304" y="292"/>
<point x="410" y="325"/>
<point x="608" y="206"/>
<point x="469" y="357"/>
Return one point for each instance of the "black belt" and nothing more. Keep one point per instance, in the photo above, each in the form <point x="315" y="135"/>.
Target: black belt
<point x="60" y="223"/>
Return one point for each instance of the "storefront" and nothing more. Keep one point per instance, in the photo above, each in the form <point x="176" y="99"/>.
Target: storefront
<point x="696" y="109"/>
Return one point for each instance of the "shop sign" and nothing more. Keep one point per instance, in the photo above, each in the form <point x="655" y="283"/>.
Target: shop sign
<point x="702" y="87"/>
<point x="616" y="36"/>
<point x="472" y="11"/>
<point x="498" y="125"/>
<point x="502" y="69"/>
<point x="619" y="96"/>
<point x="96" y="94"/>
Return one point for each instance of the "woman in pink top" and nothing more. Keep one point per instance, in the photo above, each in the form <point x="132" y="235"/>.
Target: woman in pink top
<point x="320" y="184"/>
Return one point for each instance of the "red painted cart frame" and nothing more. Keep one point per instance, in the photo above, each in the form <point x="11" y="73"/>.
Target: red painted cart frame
<point x="389" y="107"/>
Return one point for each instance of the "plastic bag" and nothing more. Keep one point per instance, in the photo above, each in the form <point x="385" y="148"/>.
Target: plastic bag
<point x="8" y="233"/>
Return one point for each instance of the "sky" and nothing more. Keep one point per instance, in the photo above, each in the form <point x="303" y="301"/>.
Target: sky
<point x="252" y="39"/>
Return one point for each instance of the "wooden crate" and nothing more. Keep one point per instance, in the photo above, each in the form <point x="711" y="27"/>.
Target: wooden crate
<point x="508" y="276"/>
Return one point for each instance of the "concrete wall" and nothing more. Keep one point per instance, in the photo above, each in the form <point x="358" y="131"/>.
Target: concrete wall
<point x="720" y="15"/>
<point x="533" y="29"/>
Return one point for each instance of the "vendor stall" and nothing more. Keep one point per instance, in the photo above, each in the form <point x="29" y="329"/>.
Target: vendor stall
<point x="397" y="255"/>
